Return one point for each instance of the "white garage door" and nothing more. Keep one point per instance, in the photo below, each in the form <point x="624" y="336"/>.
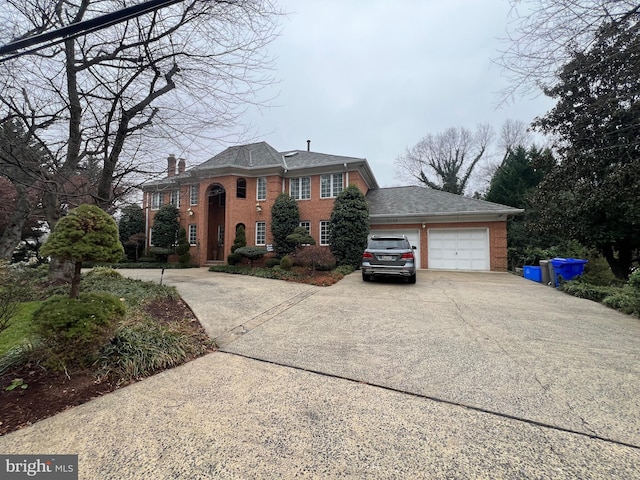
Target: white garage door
<point x="412" y="235"/>
<point x="459" y="249"/>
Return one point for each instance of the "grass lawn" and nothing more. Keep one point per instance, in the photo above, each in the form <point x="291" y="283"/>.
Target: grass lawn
<point x="20" y="327"/>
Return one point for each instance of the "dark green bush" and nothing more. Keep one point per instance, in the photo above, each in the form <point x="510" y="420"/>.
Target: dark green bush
<point x="634" y="281"/>
<point x="75" y="329"/>
<point x="581" y="289"/>
<point x="271" y="262"/>
<point x="626" y="302"/>
<point x="345" y="269"/>
<point x="234" y="258"/>
<point x="286" y="263"/>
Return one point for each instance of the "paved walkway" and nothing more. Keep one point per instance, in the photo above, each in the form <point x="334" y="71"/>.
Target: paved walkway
<point x="458" y="376"/>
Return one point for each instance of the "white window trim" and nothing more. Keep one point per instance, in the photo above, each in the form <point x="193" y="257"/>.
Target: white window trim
<point x="307" y="225"/>
<point x="158" y="204"/>
<point x="299" y="180"/>
<point x="194" y="188"/>
<point x="333" y="193"/>
<point x="258" y="189"/>
<point x="264" y="224"/>
<point x="320" y="234"/>
<point x="175" y="195"/>
<point x="193" y="228"/>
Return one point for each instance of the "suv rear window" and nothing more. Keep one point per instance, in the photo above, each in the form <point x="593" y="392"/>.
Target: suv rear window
<point x="388" y="244"/>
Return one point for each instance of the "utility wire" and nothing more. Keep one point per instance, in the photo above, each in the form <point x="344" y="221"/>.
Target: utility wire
<point x="81" y="28"/>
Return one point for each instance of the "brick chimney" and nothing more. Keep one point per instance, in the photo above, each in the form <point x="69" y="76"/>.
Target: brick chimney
<point x="181" y="165"/>
<point x="171" y="165"/>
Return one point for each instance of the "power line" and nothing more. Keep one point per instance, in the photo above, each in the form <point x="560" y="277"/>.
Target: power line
<point x="81" y="28"/>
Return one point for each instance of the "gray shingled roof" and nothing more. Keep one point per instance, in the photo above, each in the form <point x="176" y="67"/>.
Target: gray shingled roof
<point x="295" y="159"/>
<point x="422" y="201"/>
<point x="256" y="155"/>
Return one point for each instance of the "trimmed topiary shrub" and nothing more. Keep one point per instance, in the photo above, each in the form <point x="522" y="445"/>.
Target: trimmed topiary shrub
<point x="76" y="328"/>
<point x="103" y="272"/>
<point x="286" y="263"/>
<point x="252" y="253"/>
<point x="234" y="258"/>
<point x="240" y="240"/>
<point x="183" y="247"/>
<point x="271" y="262"/>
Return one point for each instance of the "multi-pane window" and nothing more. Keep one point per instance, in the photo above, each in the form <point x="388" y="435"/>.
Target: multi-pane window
<point x="156" y="200"/>
<point x="306" y="225"/>
<point x="241" y="188"/>
<point x="193" y="194"/>
<point x="300" y="188"/>
<point x="331" y="185"/>
<point x="262" y="188"/>
<point x="151" y="237"/>
<point x="193" y="234"/>
<point x="261" y="233"/>
<point x="175" y="198"/>
<point x="324" y="232"/>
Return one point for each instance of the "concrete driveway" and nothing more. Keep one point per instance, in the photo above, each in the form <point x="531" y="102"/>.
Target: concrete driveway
<point x="463" y="375"/>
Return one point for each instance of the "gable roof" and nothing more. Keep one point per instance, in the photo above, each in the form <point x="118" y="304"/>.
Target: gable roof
<point x="415" y="203"/>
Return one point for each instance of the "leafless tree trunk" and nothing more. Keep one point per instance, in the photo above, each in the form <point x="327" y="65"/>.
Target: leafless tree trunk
<point x="446" y="161"/>
<point x="542" y="34"/>
<point x="127" y="94"/>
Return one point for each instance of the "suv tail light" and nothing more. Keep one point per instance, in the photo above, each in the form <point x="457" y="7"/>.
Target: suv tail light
<point x="408" y="255"/>
<point x="367" y="255"/>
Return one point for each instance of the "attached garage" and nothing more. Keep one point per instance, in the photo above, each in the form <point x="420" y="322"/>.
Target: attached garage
<point x="412" y="235"/>
<point x="451" y="232"/>
<point x="459" y="249"/>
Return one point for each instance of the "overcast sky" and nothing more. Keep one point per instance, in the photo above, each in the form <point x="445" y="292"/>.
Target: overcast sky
<point x="368" y="78"/>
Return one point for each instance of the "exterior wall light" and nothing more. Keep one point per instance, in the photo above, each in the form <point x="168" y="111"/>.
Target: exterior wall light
<point x="258" y="208"/>
<point x="190" y="212"/>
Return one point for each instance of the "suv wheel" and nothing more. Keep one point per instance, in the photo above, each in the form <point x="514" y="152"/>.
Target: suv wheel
<point x="412" y="278"/>
<point x="366" y="277"/>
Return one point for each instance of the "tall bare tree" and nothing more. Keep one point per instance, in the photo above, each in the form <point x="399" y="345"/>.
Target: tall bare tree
<point x="445" y="161"/>
<point x="542" y="36"/>
<point x="120" y="96"/>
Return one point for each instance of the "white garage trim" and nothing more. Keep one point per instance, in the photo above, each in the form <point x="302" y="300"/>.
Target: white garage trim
<point x="412" y="235"/>
<point x="459" y="249"/>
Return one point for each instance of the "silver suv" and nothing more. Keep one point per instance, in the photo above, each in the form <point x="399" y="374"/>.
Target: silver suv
<point x="389" y="255"/>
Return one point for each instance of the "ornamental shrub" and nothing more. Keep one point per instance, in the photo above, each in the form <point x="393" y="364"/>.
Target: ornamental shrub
<point x="240" y="240"/>
<point x="252" y="253"/>
<point x="285" y="217"/>
<point x="234" y="258"/>
<point x="316" y="257"/>
<point x="271" y="262"/>
<point x="86" y="234"/>
<point x="76" y="328"/>
<point x="286" y="263"/>
<point x="349" y="227"/>
<point x="183" y="247"/>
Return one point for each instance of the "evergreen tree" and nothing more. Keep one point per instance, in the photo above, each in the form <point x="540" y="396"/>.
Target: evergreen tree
<point x="349" y="227"/>
<point x="87" y="234"/>
<point x="131" y="230"/>
<point x="285" y="217"/>
<point x="240" y="240"/>
<point x="166" y="224"/>
<point x="183" y="247"/>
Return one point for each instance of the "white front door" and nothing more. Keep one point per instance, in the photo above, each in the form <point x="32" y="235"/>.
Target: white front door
<point x="459" y="248"/>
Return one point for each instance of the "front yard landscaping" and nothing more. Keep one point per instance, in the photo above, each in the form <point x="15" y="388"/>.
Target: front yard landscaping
<point x="157" y="331"/>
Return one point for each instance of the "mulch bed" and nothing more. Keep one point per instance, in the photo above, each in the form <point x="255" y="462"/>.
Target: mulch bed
<point x="49" y="393"/>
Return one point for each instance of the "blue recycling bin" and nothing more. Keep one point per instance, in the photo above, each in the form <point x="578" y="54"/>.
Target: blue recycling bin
<point x="567" y="268"/>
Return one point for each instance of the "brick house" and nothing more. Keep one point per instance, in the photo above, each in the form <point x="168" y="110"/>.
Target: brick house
<point x="239" y="186"/>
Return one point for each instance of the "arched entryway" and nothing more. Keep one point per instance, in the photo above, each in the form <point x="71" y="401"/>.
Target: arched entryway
<point x="215" y="221"/>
